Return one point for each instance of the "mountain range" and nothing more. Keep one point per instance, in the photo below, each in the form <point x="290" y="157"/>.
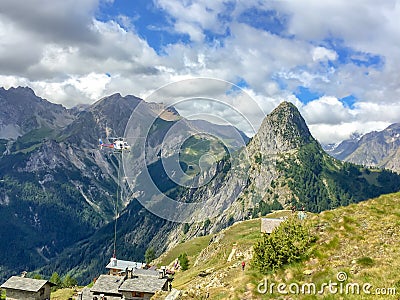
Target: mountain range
<point x="377" y="149"/>
<point x="59" y="191"/>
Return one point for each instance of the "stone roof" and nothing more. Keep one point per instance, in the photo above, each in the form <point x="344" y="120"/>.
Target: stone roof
<point x="88" y="295"/>
<point x="24" y="284"/>
<point x="145" y="284"/>
<point x="143" y="272"/>
<point x="107" y="284"/>
<point x="120" y="264"/>
<point x="269" y="224"/>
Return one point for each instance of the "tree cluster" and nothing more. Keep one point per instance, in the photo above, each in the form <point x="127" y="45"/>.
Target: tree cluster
<point x="286" y="244"/>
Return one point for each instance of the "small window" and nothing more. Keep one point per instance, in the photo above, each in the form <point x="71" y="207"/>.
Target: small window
<point x="41" y="291"/>
<point x="137" y="294"/>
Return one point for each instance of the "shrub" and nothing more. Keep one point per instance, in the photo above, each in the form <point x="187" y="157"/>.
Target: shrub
<point x="185" y="228"/>
<point x="69" y="281"/>
<point x="56" y="279"/>
<point x="207" y="223"/>
<point x="149" y="255"/>
<point x="365" y="261"/>
<point x="183" y="261"/>
<point x="286" y="244"/>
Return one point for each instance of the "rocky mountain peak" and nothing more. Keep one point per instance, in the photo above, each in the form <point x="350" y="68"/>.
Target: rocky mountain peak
<point x="114" y="102"/>
<point x="282" y="130"/>
<point x="114" y="109"/>
<point x="22" y="111"/>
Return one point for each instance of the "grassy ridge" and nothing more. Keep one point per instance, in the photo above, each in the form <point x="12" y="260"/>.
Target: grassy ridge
<point x="361" y="240"/>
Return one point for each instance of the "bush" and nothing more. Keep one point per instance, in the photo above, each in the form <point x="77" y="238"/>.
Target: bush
<point x="207" y="223"/>
<point x="69" y="282"/>
<point x="286" y="244"/>
<point x="185" y="228"/>
<point x="183" y="261"/>
<point x="149" y="255"/>
<point x="56" y="279"/>
<point x="365" y="261"/>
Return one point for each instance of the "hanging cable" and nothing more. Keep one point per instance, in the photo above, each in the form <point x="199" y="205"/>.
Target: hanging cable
<point x="118" y="194"/>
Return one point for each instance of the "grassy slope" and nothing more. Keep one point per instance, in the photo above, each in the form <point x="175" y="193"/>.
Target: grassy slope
<point x="62" y="294"/>
<point x="361" y="239"/>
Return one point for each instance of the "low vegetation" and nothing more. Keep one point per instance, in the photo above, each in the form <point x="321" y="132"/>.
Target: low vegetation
<point x="183" y="261"/>
<point x="285" y="245"/>
<point x="63" y="294"/>
<point x="149" y="255"/>
<point x="320" y="182"/>
<point x="356" y="245"/>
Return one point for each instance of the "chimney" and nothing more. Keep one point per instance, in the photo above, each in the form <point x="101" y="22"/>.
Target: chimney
<point x="162" y="271"/>
<point x="129" y="273"/>
<point x="113" y="261"/>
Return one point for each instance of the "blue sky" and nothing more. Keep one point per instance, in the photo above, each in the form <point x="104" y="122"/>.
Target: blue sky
<point x="335" y="59"/>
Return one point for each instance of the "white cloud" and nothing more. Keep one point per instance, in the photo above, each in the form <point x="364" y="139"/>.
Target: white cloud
<point x="326" y="110"/>
<point x="193" y="17"/>
<point x="330" y="121"/>
<point x="329" y="134"/>
<point x="322" y="53"/>
<point x="61" y="50"/>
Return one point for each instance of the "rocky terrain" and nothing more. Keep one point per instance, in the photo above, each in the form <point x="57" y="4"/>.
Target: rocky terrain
<point x="358" y="242"/>
<point x="59" y="191"/>
<point x="376" y="149"/>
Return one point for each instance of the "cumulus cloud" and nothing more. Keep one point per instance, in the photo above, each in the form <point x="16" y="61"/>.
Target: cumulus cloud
<point x="331" y="121"/>
<point x="326" y="110"/>
<point x="330" y="134"/>
<point x="194" y="17"/>
<point x="321" y="53"/>
<point x="64" y="21"/>
<point x="335" y="47"/>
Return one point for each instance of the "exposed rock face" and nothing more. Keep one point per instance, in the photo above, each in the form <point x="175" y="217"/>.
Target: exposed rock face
<point x="377" y="149"/>
<point x="282" y="130"/>
<point x="23" y="111"/>
<point x="57" y="187"/>
<point x="284" y="165"/>
<point x="58" y="190"/>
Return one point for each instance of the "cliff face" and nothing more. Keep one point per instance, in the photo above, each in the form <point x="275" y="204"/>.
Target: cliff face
<point x="281" y="167"/>
<point x="23" y="111"/>
<point x="377" y="149"/>
<point x="58" y="190"/>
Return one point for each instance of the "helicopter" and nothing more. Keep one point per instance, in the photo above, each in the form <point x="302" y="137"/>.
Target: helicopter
<point x="118" y="145"/>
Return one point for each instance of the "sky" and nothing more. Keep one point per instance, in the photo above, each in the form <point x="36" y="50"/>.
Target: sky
<point x="336" y="60"/>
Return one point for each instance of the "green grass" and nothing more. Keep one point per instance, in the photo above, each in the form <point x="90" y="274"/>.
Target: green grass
<point x="198" y="148"/>
<point x="360" y="239"/>
<point x="191" y="248"/>
<point x="2" y="294"/>
<point x="365" y="261"/>
<point x="62" y="294"/>
<point x="32" y="140"/>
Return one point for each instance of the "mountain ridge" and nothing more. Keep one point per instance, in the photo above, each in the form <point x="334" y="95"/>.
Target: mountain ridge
<point x="70" y="167"/>
<point x="376" y="149"/>
<point x="23" y="111"/>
